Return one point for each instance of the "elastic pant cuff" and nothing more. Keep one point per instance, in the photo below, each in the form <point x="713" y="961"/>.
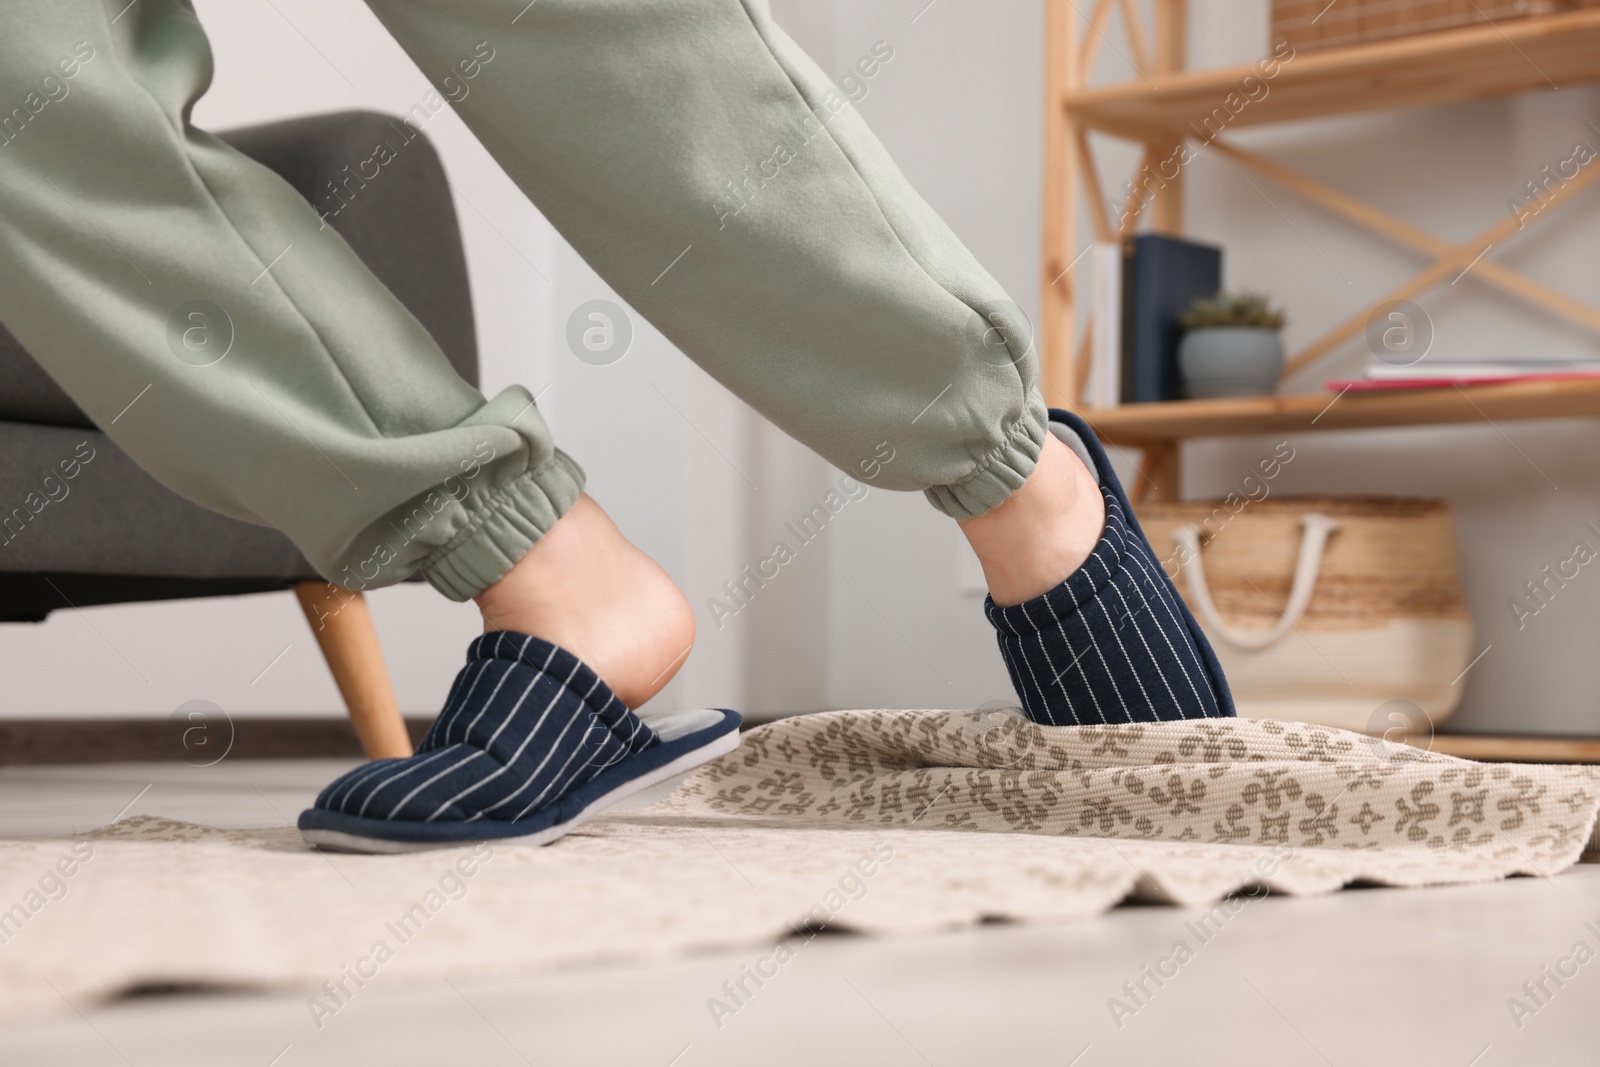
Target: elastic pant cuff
<point x="518" y="514"/>
<point x="1002" y="470"/>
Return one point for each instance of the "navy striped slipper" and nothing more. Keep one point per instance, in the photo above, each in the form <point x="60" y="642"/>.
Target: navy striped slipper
<point x="530" y="744"/>
<point x="1114" y="643"/>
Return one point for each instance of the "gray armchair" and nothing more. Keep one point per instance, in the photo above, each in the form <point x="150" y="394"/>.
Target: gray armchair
<point x="117" y="535"/>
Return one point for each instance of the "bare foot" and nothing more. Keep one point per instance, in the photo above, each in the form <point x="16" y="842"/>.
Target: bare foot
<point x="1042" y="532"/>
<point x="585" y="587"/>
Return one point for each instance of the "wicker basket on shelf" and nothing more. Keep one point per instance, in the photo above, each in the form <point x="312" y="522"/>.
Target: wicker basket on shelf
<point x="1324" y="609"/>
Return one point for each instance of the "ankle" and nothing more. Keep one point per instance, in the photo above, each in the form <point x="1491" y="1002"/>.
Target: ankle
<point x="585" y="587"/>
<point x="1039" y="535"/>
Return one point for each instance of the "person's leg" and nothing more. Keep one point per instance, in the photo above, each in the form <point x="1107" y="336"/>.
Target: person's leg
<point x="196" y="308"/>
<point x="689" y="151"/>
<point x="716" y="179"/>
<point x="1111" y="641"/>
<point x="204" y="316"/>
<point x="712" y="174"/>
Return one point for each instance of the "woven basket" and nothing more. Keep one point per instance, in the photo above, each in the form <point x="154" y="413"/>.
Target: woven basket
<point x="1324" y="609"/>
<point x="1312" y="24"/>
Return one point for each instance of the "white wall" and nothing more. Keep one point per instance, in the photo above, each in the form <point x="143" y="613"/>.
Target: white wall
<point x="960" y="109"/>
<point x="876" y="614"/>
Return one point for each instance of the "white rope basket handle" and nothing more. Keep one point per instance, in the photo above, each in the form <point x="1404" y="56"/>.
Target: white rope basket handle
<point x="1318" y="528"/>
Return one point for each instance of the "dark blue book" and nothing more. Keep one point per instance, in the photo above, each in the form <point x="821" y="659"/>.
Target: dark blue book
<point x="1161" y="277"/>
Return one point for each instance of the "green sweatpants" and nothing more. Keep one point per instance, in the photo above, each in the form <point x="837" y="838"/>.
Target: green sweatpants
<point x="201" y="313"/>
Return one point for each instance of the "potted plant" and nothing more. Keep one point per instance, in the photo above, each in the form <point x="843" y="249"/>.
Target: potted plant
<point x="1230" y="347"/>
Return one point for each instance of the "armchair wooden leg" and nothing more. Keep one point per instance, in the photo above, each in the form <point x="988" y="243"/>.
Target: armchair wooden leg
<point x="343" y="627"/>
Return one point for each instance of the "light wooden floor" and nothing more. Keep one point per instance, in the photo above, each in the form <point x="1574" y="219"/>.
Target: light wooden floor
<point x="1363" y="977"/>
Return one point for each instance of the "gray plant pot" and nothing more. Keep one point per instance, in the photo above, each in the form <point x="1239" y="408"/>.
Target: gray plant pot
<point x="1218" y="361"/>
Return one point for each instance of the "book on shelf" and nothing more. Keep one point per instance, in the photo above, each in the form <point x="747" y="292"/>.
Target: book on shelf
<point x="1436" y="374"/>
<point x="1105" y="356"/>
<point x="1161" y="277"/>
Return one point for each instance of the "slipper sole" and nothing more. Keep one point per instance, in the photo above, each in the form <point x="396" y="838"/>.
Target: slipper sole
<point x="339" y="832"/>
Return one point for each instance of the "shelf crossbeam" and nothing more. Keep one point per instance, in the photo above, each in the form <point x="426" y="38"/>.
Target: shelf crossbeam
<point x="1134" y="28"/>
<point x="1455" y="258"/>
<point x="1402" y="232"/>
<point x="1099" y="15"/>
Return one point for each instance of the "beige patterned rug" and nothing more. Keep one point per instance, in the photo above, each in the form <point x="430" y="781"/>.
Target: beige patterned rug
<point x="881" y="822"/>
